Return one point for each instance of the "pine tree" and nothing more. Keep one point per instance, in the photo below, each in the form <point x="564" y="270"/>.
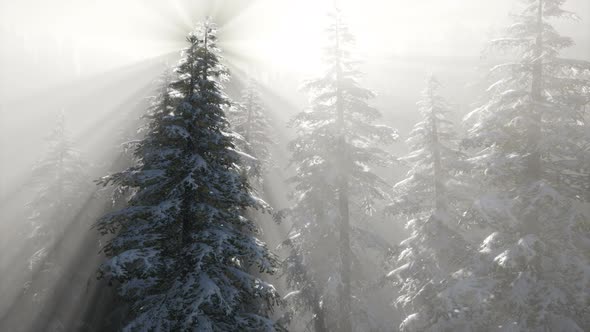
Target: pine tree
<point x="430" y="198"/>
<point x="249" y="119"/>
<point x="61" y="183"/>
<point x="532" y="272"/>
<point x="184" y="249"/>
<point x="60" y="180"/>
<point x="336" y="145"/>
<point x="434" y="160"/>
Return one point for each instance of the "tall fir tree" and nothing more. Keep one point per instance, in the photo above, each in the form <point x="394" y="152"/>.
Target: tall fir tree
<point x="249" y="119"/>
<point x="61" y="183"/>
<point x="183" y="248"/>
<point x="336" y="146"/>
<point x="532" y="273"/>
<point x="431" y="199"/>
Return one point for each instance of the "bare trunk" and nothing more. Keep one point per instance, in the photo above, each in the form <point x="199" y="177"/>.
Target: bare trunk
<point x="319" y="323"/>
<point x="345" y="254"/>
<point x="319" y="320"/>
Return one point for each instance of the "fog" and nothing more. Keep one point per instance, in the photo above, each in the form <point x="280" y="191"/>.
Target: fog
<point x="92" y="67"/>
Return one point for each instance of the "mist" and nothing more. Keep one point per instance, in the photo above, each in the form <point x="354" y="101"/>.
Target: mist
<point x="302" y="165"/>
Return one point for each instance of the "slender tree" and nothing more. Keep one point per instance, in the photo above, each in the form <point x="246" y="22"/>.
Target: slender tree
<point x="61" y="185"/>
<point x="249" y="119"/>
<point x="59" y="179"/>
<point x="336" y="145"/>
<point x="183" y="248"/>
<point x="434" y="159"/>
<point x="431" y="200"/>
<point x="532" y="271"/>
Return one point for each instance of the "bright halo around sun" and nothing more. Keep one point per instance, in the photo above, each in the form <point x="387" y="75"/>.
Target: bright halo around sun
<point x="293" y="41"/>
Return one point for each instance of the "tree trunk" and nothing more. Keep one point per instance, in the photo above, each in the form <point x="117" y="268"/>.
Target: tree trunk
<point x="345" y="254"/>
<point x="439" y="195"/>
<point x="187" y="228"/>
<point x="249" y="119"/>
<point x="533" y="170"/>
<point x="319" y="323"/>
<point x="343" y="203"/>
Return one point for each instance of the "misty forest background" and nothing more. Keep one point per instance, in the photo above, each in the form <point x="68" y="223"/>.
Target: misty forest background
<point x="222" y="192"/>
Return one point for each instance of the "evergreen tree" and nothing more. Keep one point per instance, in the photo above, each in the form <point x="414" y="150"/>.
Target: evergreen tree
<point x="249" y="119"/>
<point x="183" y="248"/>
<point x="532" y="273"/>
<point x="431" y="184"/>
<point x="336" y="145"/>
<point x="61" y="183"/>
<point x="430" y="198"/>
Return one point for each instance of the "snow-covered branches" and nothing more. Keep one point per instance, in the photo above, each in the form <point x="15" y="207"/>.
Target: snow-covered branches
<point x="184" y="248"/>
<point x="249" y="119"/>
<point x="337" y="145"/>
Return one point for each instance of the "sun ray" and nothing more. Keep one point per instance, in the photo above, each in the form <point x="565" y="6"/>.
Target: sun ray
<point x="16" y="300"/>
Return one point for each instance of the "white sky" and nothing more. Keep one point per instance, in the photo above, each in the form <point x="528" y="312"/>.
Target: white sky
<point x="87" y="45"/>
<point x="96" y="35"/>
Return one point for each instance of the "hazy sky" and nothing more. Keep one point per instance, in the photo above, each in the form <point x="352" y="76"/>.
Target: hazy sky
<point x="65" y="50"/>
<point x="90" y="36"/>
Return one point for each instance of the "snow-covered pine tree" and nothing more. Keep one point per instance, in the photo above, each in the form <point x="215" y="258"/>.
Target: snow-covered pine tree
<point x="532" y="272"/>
<point x="249" y="119"/>
<point x="60" y="181"/>
<point x="183" y="249"/>
<point x="61" y="185"/>
<point x="431" y="200"/>
<point x="434" y="160"/>
<point x="336" y="145"/>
